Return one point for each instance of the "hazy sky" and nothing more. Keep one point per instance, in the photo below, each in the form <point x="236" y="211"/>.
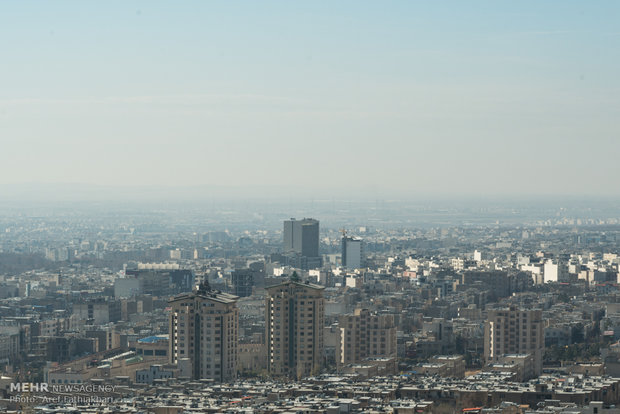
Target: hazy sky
<point x="492" y="97"/>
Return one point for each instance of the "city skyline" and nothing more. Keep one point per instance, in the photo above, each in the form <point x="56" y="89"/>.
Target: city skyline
<point x="310" y="207"/>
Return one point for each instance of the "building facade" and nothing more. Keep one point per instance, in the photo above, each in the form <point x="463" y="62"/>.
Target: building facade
<point x="242" y="281"/>
<point x="155" y="281"/>
<point x="514" y="331"/>
<point x="98" y="311"/>
<point x="294" y="319"/>
<point x="204" y="328"/>
<point x="352" y="252"/>
<point x="302" y="237"/>
<point x="366" y="335"/>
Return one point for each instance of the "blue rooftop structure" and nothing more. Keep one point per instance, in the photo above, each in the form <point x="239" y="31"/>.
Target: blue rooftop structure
<point x="154" y="338"/>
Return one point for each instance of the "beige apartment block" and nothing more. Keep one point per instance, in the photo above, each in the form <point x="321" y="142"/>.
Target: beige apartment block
<point x="366" y="335"/>
<point x="514" y="331"/>
<point x="294" y="329"/>
<point x="204" y="328"/>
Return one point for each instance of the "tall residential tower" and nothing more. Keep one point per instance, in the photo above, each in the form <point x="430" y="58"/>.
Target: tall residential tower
<point x="204" y="328"/>
<point x="514" y="331"/>
<point x="294" y="319"/>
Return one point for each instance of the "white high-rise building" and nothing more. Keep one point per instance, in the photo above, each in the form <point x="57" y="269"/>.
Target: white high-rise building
<point x="555" y="271"/>
<point x="477" y="256"/>
<point x="550" y="271"/>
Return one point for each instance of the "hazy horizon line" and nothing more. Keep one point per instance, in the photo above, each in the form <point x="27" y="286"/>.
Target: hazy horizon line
<point x="81" y="191"/>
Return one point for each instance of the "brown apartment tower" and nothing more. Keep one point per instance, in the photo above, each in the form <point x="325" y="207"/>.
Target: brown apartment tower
<point x="204" y="328"/>
<point x="366" y="335"/>
<point x="294" y="319"/>
<point x="512" y="331"/>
